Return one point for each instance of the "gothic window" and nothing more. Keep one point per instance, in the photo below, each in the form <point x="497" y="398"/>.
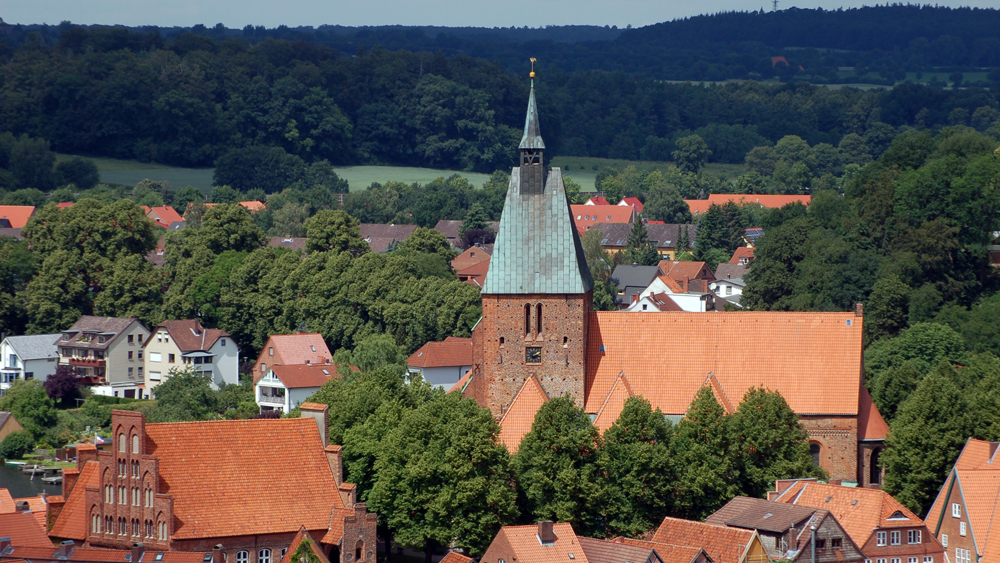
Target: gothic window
<point x="95" y="524"/>
<point x="814" y="451"/>
<point x="358" y="550"/>
<point x="149" y="497"/>
<point x="163" y="531"/>
<point x="121" y="443"/>
<point x="135" y="443"/>
<point x="538" y="318"/>
<point x="874" y="471"/>
<point x="527" y="320"/>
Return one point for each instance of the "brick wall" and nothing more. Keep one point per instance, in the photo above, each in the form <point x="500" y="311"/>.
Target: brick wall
<point x="868" y="460"/>
<point x="359" y="536"/>
<point x="952" y="526"/>
<point x="838" y="440"/>
<point x="506" y="333"/>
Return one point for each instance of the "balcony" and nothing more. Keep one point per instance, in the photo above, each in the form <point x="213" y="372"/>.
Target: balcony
<point x="87" y="362"/>
<point x="272" y="400"/>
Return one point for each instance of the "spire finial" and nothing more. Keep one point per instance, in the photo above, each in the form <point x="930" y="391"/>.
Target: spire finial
<point x="532" y="74"/>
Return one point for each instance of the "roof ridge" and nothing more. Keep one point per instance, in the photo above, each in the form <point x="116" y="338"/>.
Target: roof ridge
<point x="518" y="394"/>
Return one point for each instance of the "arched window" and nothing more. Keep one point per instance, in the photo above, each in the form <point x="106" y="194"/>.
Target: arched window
<point x="95" y="523"/>
<point x="149" y="497"/>
<point x="163" y="531"/>
<point x="527" y="320"/>
<point x="814" y="451"/>
<point x="359" y="548"/>
<point x="538" y="318"/>
<point x="135" y="443"/>
<point x="874" y="471"/>
<point x="242" y="557"/>
<point x="121" y="443"/>
<point x="264" y="556"/>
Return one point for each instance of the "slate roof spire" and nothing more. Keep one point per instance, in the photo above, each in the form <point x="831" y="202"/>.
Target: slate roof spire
<point x="532" y="138"/>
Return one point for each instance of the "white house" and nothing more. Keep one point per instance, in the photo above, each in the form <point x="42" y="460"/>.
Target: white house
<point x="182" y="344"/>
<point x="27" y="357"/>
<point x="660" y="302"/>
<point x="728" y="287"/>
<point x="285" y="387"/>
<point x="443" y="363"/>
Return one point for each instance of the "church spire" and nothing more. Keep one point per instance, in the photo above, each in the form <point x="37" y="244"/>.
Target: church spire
<point x="532" y="138"/>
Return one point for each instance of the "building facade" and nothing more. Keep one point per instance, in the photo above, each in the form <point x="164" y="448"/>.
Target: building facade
<point x="184" y="344"/>
<point x="27" y="357"/>
<point x="285" y="387"/>
<point x="106" y="353"/>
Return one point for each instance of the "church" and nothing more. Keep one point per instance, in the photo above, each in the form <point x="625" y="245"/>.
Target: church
<point x="539" y="338"/>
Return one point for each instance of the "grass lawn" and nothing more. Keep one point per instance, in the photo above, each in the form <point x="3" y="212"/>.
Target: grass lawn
<point x="360" y="177"/>
<point x="32" y="459"/>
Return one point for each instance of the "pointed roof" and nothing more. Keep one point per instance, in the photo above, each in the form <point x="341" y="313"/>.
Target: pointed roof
<point x="976" y="475"/>
<point x="300" y="538"/>
<point x="721" y="543"/>
<point x="532" y="138"/>
<point x="613" y="404"/>
<point x="517" y="421"/>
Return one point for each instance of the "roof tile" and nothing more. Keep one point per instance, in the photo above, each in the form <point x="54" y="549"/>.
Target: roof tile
<point x="516" y="422"/>
<point x="452" y="351"/>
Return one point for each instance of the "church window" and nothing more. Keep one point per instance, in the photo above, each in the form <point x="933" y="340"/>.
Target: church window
<point x="533" y="355"/>
<point x="538" y="319"/>
<point x="874" y="471"/>
<point x="121" y="443"/>
<point x="135" y="443"/>
<point x="565" y="342"/>
<point x="527" y="320"/>
<point x="814" y="451"/>
<point x="95" y="524"/>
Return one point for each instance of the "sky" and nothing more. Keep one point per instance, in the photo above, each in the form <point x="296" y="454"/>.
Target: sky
<point x="479" y="13"/>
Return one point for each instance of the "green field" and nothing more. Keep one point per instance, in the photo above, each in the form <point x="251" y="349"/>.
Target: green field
<point x="583" y="169"/>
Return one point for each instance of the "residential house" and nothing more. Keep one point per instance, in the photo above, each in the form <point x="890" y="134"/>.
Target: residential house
<point x="624" y="550"/>
<point x="787" y="531"/>
<point x="588" y="216"/>
<point x="885" y="530"/>
<point x="165" y="217"/>
<point x="965" y="509"/>
<point x="699" y="206"/>
<point x="752" y="234"/>
<point x="285" y="387"/>
<point x="8" y="425"/>
<point x="689" y="301"/>
<point x="632" y="202"/>
<point x="383" y="238"/>
<point x="15" y="216"/>
<point x="450" y="228"/>
<point x="475" y="274"/>
<point x="665" y="237"/>
<point x="68" y="552"/>
<point x="472" y="256"/>
<point x="721" y="543"/>
<point x="730" y="289"/>
<point x="27" y="357"/>
<point x="684" y="272"/>
<point x="443" y="363"/>
<point x="158" y="255"/>
<point x="183" y="487"/>
<point x="106" y="353"/>
<point x="597" y="200"/>
<point x="545" y="542"/>
<point x="731" y="271"/>
<point x="253" y="206"/>
<point x="184" y="344"/>
<point x="297" y="244"/>
<point x="455" y="557"/>
<point x="742" y="255"/>
<point x="290" y="349"/>
<point x="631" y="280"/>
<point x="654" y="303"/>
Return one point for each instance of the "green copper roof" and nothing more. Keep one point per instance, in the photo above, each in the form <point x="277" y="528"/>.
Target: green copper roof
<point x="532" y="138"/>
<point x="537" y="248"/>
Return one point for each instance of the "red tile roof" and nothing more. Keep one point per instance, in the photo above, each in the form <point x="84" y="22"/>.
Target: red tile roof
<point x="290" y="349"/>
<point x="524" y="542"/>
<point x="252" y="206"/>
<point x="451" y="352"/>
<point x="871" y="425"/>
<point x="722" y="544"/>
<point x="453" y="557"/>
<point x="301" y="376"/>
<point x="683" y="272"/>
<point x="37" y="506"/>
<point x="17" y="215"/>
<point x="812" y="359"/>
<point x="460" y="385"/>
<point x="23" y="530"/>
<point x="6" y="502"/>
<point x="234" y="448"/>
<point x="471" y="256"/>
<point x="101" y="555"/>
<point x="64" y="204"/>
<point x="586" y="216"/>
<point x="72" y="521"/>
<point x="742" y="255"/>
<point x="597" y="200"/>
<point x="475" y="274"/>
<point x="164" y="216"/>
<point x="631" y="202"/>
<point x="516" y="422"/>
<point x="663" y="302"/>
<point x="669" y="553"/>
<point x="613" y="404"/>
<point x="859" y="510"/>
<point x="300" y="538"/>
<point x="699" y="206"/>
<point x="189" y="335"/>
<point x="977" y="475"/>
<point x="604" y="551"/>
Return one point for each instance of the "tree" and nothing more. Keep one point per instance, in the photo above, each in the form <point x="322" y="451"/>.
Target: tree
<point x="636" y="459"/>
<point x="59" y="295"/>
<point x="335" y="231"/>
<point x="443" y="478"/>
<point x="229" y="227"/>
<point x="16" y="444"/>
<point x="894" y="385"/>
<point x="185" y="395"/>
<point x="558" y="475"/>
<point x="665" y="203"/>
<point x="226" y="194"/>
<point x="63" y="387"/>
<point x="925" y="344"/>
<point x="925" y="438"/>
<point x="30" y="405"/>
<point x="887" y="309"/>
<point x="691" y="154"/>
<point x="702" y="449"/>
<point x="31" y="163"/>
<point x="638" y="249"/>
<point x="80" y="172"/>
<point x="771" y="442"/>
<point x="271" y="169"/>
<point x="428" y="241"/>
<point x="188" y="196"/>
<point x="132" y="288"/>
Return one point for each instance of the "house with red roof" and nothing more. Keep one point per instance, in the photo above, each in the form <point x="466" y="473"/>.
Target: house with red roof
<point x="285" y="387"/>
<point x="699" y="206"/>
<point x="165" y="216"/>
<point x="587" y="216"/>
<point x="443" y="363"/>
<point x="15" y="216"/>
<point x="632" y="202"/>
<point x="183" y="344"/>
<point x="68" y="552"/>
<point x="742" y="255"/>
<point x="188" y="485"/>
<point x="597" y="200"/>
<point x="880" y="525"/>
<point x="965" y="508"/>
<point x="472" y="256"/>
<point x="252" y="206"/>
<point x="475" y="274"/>
<point x="721" y="543"/>
<point x="291" y="349"/>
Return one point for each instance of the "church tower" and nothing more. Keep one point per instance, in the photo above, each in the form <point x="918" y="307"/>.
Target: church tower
<point x="538" y="290"/>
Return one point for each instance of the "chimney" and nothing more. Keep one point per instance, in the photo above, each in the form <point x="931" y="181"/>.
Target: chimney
<point x="85" y="453"/>
<point x="837" y="482"/>
<point x="321" y="414"/>
<point x="336" y="460"/>
<point x="138" y="548"/>
<point x="217" y="556"/>
<point x="546" y="534"/>
<point x="69" y="475"/>
<point x="65" y="548"/>
<point x="21" y="506"/>
<point x="859" y="310"/>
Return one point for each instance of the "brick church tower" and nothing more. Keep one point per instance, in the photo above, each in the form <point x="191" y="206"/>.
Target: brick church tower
<point x="537" y="293"/>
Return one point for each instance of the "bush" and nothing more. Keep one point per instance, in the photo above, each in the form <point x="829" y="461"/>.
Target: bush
<point x="16" y="444"/>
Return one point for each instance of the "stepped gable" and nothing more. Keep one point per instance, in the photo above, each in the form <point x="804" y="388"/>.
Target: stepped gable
<point x="537" y="249"/>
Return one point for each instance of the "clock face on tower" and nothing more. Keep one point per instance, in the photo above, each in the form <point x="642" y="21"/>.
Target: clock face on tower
<point x="533" y="355"/>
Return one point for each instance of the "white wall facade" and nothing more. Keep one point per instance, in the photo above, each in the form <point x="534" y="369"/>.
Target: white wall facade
<point x="271" y="394"/>
<point x="13" y="368"/>
<point x="444" y="377"/>
<point x="221" y="362"/>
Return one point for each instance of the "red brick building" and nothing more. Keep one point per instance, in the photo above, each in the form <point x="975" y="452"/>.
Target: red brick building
<point x="196" y="485"/>
<point x="538" y="338"/>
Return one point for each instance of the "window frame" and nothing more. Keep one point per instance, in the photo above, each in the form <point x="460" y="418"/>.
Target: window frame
<point x="881" y="539"/>
<point x="912" y="535"/>
<point x="895" y="537"/>
<point x="956" y="510"/>
<point x="264" y="555"/>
